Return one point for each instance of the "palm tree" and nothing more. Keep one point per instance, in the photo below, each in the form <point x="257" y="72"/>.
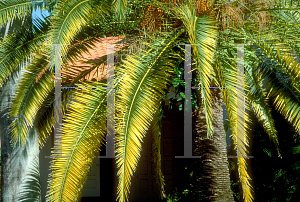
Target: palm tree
<point x="142" y="81"/>
<point x="256" y="95"/>
<point x="208" y="148"/>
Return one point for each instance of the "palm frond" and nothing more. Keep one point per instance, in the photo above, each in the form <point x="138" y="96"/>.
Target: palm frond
<point x="226" y="75"/>
<point x="156" y="150"/>
<point x="32" y="88"/>
<point x="203" y="33"/>
<point x="260" y="106"/>
<point x="73" y="73"/>
<point x="242" y="144"/>
<point x="285" y="58"/>
<point x="244" y="177"/>
<point x="16" y="48"/>
<point x="83" y="133"/>
<point x="11" y="9"/>
<point x="291" y="67"/>
<point x="70" y="17"/>
<point x="285" y="102"/>
<point x="277" y="70"/>
<point x="81" y="46"/>
<point x="30" y="188"/>
<point x="283" y="66"/>
<point x="45" y="114"/>
<point x="144" y="79"/>
<point x="45" y="120"/>
<point x="296" y="150"/>
<point x="120" y="8"/>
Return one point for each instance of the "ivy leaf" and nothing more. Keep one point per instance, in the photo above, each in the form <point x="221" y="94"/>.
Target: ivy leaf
<point x="182" y="94"/>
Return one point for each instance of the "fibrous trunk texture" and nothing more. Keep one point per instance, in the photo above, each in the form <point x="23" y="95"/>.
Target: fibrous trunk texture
<point x="211" y="170"/>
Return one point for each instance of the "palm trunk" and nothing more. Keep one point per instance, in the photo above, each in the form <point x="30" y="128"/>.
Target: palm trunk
<point x="211" y="170"/>
<point x="15" y="161"/>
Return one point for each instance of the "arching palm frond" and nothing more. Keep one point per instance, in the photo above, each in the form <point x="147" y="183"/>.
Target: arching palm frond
<point x="260" y="106"/>
<point x="73" y="73"/>
<point x="282" y="79"/>
<point x="226" y="75"/>
<point x="83" y="133"/>
<point x="143" y="81"/>
<point x="244" y="127"/>
<point x="284" y="101"/>
<point x="203" y="33"/>
<point x="11" y="9"/>
<point x="70" y="17"/>
<point x="16" y="48"/>
<point x="287" y="26"/>
<point x="81" y="46"/>
<point x="286" y="62"/>
<point x="120" y="8"/>
<point x="156" y="150"/>
<point x="33" y="87"/>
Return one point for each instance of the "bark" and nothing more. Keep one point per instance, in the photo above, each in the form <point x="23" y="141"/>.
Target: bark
<point x="211" y="170"/>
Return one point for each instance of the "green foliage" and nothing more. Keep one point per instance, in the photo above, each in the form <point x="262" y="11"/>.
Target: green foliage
<point x="146" y="76"/>
<point x="234" y="188"/>
<point x="277" y="179"/>
<point x="179" y="85"/>
<point x="187" y="193"/>
<point x="141" y="90"/>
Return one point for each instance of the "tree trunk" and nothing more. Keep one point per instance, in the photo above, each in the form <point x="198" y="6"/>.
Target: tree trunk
<point x="15" y="161"/>
<point x="211" y="170"/>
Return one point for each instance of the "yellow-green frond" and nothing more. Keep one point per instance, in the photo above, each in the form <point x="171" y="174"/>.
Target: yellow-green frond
<point x="242" y="144"/>
<point x="120" y="8"/>
<point x="226" y="75"/>
<point x="70" y="17"/>
<point x="156" y="150"/>
<point x="284" y="101"/>
<point x="83" y="132"/>
<point x="260" y="106"/>
<point x="144" y="79"/>
<point x="33" y="87"/>
<point x="244" y="177"/>
<point x="291" y="66"/>
<point x="202" y="32"/>
<point x="282" y="84"/>
<point x="16" y="48"/>
<point x="9" y="10"/>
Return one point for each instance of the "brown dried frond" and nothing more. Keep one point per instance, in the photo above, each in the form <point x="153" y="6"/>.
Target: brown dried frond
<point x="202" y="6"/>
<point x="152" y="19"/>
<point x="232" y="16"/>
<point x="262" y="17"/>
<point x="234" y="13"/>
